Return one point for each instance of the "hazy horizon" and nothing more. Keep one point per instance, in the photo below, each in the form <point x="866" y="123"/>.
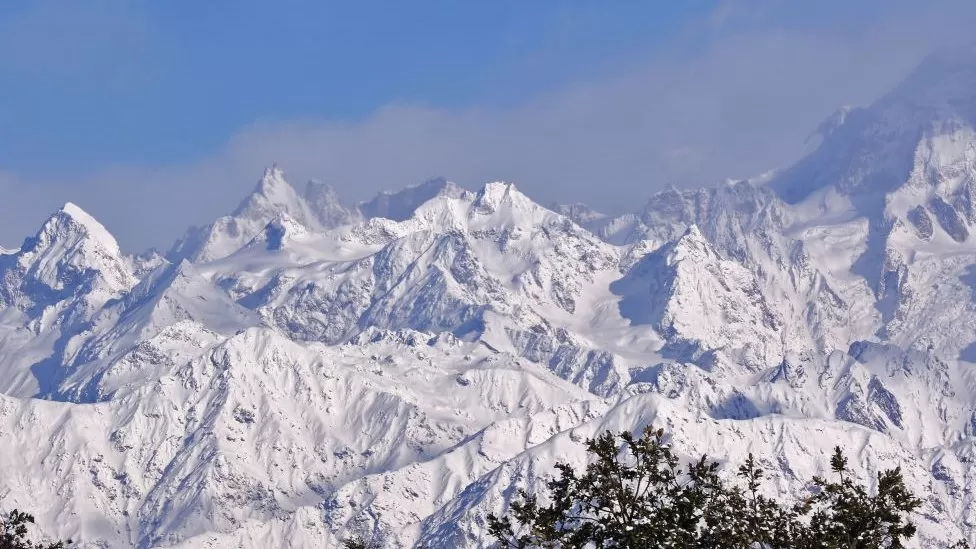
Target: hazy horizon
<point x="152" y="121"/>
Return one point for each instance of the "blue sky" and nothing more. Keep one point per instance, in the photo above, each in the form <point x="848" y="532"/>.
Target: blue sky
<point x="156" y="114"/>
<point x="159" y="82"/>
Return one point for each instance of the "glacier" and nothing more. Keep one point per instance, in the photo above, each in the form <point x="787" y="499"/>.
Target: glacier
<point x="303" y="370"/>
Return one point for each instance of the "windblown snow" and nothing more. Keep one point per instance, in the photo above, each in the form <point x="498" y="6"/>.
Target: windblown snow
<point x="302" y="370"/>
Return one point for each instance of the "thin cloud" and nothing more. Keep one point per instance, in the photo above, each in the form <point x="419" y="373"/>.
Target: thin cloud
<point x="736" y="104"/>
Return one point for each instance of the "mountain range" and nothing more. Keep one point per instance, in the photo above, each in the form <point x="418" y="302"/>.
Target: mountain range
<point x="303" y="370"/>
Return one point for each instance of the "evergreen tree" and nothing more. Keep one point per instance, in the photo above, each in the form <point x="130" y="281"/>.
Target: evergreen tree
<point x="750" y="519"/>
<point x="14" y="527"/>
<point x="844" y="515"/>
<point x="644" y="499"/>
<point x="635" y="495"/>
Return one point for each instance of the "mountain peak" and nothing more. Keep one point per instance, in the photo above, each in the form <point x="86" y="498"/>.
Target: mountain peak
<point x="497" y="189"/>
<point x="693" y="244"/>
<point x="272" y="192"/>
<point x="272" y="196"/>
<point x="92" y="227"/>
<point x="324" y="203"/>
<point x="495" y="193"/>
<point x="400" y="206"/>
<point x="72" y="257"/>
<point x="73" y="210"/>
<point x="272" y="175"/>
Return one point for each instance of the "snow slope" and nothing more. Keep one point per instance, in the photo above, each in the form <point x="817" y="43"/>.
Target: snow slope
<point x="300" y="370"/>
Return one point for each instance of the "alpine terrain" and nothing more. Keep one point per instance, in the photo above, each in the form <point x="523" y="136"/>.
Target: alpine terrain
<point x="301" y="370"/>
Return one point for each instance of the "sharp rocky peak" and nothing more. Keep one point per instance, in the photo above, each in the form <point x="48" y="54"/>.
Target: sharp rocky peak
<point x="71" y="255"/>
<point x="495" y="193"/>
<point x="71" y="231"/>
<point x="72" y="220"/>
<point x="693" y="245"/>
<point x="271" y="195"/>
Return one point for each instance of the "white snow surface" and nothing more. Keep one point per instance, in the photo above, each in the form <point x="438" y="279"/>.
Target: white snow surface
<point x="301" y="371"/>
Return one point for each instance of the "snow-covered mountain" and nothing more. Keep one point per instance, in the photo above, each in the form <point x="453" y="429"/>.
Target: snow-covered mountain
<point x="301" y="370"/>
<point x="273" y="196"/>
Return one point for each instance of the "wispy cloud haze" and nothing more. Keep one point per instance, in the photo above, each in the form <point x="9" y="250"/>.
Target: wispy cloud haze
<point x="735" y="94"/>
